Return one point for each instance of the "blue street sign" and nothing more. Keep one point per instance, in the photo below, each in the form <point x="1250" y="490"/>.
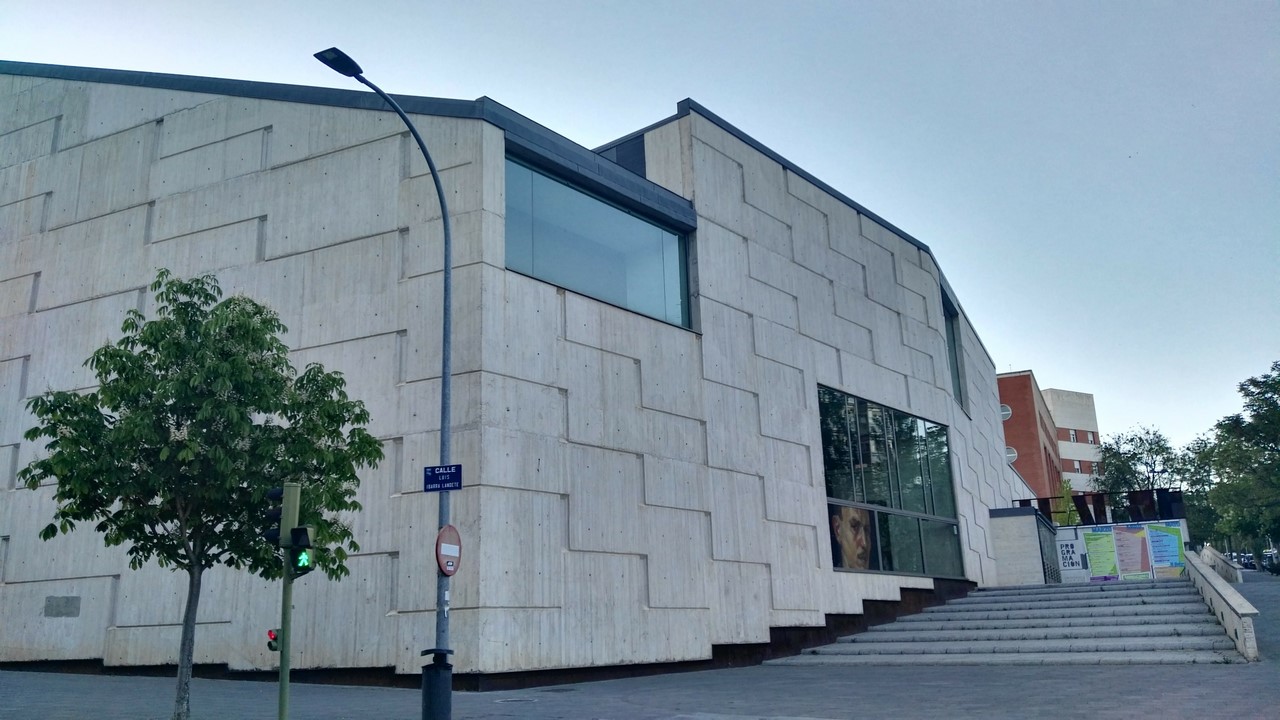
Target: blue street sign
<point x="438" y="478"/>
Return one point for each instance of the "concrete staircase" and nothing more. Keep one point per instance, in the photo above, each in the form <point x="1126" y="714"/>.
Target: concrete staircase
<point x="1161" y="622"/>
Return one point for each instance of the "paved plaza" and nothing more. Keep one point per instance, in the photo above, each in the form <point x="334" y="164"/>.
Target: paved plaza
<point x="1168" y="692"/>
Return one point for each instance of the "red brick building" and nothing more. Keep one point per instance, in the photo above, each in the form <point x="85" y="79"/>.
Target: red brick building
<point x="1030" y="430"/>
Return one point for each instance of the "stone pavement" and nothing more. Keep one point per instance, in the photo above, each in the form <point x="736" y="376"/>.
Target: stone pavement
<point x="1203" y="692"/>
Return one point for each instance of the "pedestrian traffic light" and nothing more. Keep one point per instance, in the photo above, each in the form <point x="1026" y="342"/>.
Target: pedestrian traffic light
<point x="275" y="512"/>
<point x="273" y="639"/>
<point x="301" y="555"/>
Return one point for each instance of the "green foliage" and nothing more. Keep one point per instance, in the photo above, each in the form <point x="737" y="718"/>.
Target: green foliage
<point x="1065" y="512"/>
<point x="1246" y="460"/>
<point x="1139" y="459"/>
<point x="197" y="413"/>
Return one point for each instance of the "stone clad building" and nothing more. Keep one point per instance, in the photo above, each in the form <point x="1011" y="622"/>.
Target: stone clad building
<point x="698" y="393"/>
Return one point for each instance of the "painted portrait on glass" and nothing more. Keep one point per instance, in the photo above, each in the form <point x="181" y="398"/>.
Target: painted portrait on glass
<point x="853" y="545"/>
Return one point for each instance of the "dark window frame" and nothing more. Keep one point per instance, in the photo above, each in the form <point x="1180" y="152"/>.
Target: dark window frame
<point x="683" y="240"/>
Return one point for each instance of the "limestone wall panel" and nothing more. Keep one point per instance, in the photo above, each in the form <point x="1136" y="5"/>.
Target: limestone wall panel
<point x="113" y="175"/>
<point x="604" y="620"/>
<point x="517" y="639"/>
<point x="19" y="219"/>
<point x="233" y="200"/>
<point x="606" y="492"/>
<point x="313" y="203"/>
<point x="56" y="619"/>
<point x="524" y="460"/>
<point x="781" y="395"/>
<point x="733" y="434"/>
<point x="666" y="157"/>
<point x="208" y="251"/>
<point x="13" y="397"/>
<point x="98" y="257"/>
<point x="737" y="518"/>
<point x="208" y="164"/>
<point x="718" y="187"/>
<point x="740" y="610"/>
<point x="477" y="236"/>
<point x="348" y="622"/>
<point x="523" y="324"/>
<point x="793" y="559"/>
<point x="790" y="462"/>
<point x="62" y="338"/>
<point x="678" y="557"/>
<point x="416" y="517"/>
<point x="676" y="484"/>
<point x="768" y="302"/>
<point x="520" y="546"/>
<point x="726" y="346"/>
<point x="32" y="141"/>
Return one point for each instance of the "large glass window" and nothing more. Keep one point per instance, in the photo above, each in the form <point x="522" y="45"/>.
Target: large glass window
<point x="567" y="237"/>
<point x="891" y="503"/>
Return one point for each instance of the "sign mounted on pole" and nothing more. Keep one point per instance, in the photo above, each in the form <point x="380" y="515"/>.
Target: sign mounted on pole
<point x="441" y="478"/>
<point x="448" y="549"/>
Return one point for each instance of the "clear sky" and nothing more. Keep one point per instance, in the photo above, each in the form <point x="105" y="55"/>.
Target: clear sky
<point x="1099" y="180"/>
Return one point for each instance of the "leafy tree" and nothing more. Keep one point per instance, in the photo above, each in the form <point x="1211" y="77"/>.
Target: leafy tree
<point x="1139" y="459"/>
<point x="1246" y="460"/>
<point x="197" y="413"/>
<point x="1194" y="470"/>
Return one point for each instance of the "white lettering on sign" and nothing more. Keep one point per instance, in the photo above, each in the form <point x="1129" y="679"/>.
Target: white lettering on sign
<point x="450" y="550"/>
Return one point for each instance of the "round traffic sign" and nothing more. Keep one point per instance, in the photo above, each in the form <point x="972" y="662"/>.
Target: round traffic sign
<point x="448" y="549"/>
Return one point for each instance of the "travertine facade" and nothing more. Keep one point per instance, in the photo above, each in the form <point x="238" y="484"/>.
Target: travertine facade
<point x="634" y="491"/>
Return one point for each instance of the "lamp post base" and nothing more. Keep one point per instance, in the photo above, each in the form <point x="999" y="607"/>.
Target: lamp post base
<point x="437" y="686"/>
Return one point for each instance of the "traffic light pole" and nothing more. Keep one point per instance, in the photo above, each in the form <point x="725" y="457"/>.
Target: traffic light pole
<point x="286" y="618"/>
<point x="288" y="521"/>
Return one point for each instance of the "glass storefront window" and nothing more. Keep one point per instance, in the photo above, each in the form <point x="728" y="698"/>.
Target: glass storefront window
<point x="941" y="549"/>
<point x="900" y="549"/>
<point x="891" y="502"/>
<point x="564" y="236"/>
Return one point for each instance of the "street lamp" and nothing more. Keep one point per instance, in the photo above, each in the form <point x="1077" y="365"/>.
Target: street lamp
<point x="437" y="678"/>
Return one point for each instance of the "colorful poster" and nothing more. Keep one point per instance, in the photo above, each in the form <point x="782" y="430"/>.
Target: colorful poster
<point x="1166" y="545"/>
<point x="1132" y="557"/>
<point x="1101" y="546"/>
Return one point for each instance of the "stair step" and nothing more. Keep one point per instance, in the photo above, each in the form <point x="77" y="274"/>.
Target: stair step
<point x="1040" y="632"/>
<point x="1072" y="645"/>
<point x="1047" y="604"/>
<point x="919" y="623"/>
<point x="1085" y="588"/>
<point x="981" y="599"/>
<point x="1196" y="608"/>
<point x="1183" y="657"/>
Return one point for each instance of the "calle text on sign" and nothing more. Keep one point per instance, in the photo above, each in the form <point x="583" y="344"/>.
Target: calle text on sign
<point x="440" y="478"/>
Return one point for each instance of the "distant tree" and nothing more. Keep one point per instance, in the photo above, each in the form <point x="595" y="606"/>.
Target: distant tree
<point x="1194" y="470"/>
<point x="1140" y="459"/>
<point x="197" y="413"/>
<point x="1246" y="461"/>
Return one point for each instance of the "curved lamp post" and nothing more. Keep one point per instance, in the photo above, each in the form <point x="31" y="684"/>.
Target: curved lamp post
<point x="437" y="678"/>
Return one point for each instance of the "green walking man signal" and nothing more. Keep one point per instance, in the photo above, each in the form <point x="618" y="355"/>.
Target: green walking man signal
<point x="301" y="555"/>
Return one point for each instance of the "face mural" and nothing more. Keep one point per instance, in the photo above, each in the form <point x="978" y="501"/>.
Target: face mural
<point x="851" y="538"/>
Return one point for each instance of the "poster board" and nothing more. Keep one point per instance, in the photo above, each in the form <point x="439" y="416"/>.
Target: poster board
<point x="1131" y="551"/>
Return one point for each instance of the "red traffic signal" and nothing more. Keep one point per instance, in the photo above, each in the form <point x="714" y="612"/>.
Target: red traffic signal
<point x="273" y="640"/>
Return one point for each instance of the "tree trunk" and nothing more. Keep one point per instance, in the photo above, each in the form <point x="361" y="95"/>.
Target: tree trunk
<point x="186" y="650"/>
